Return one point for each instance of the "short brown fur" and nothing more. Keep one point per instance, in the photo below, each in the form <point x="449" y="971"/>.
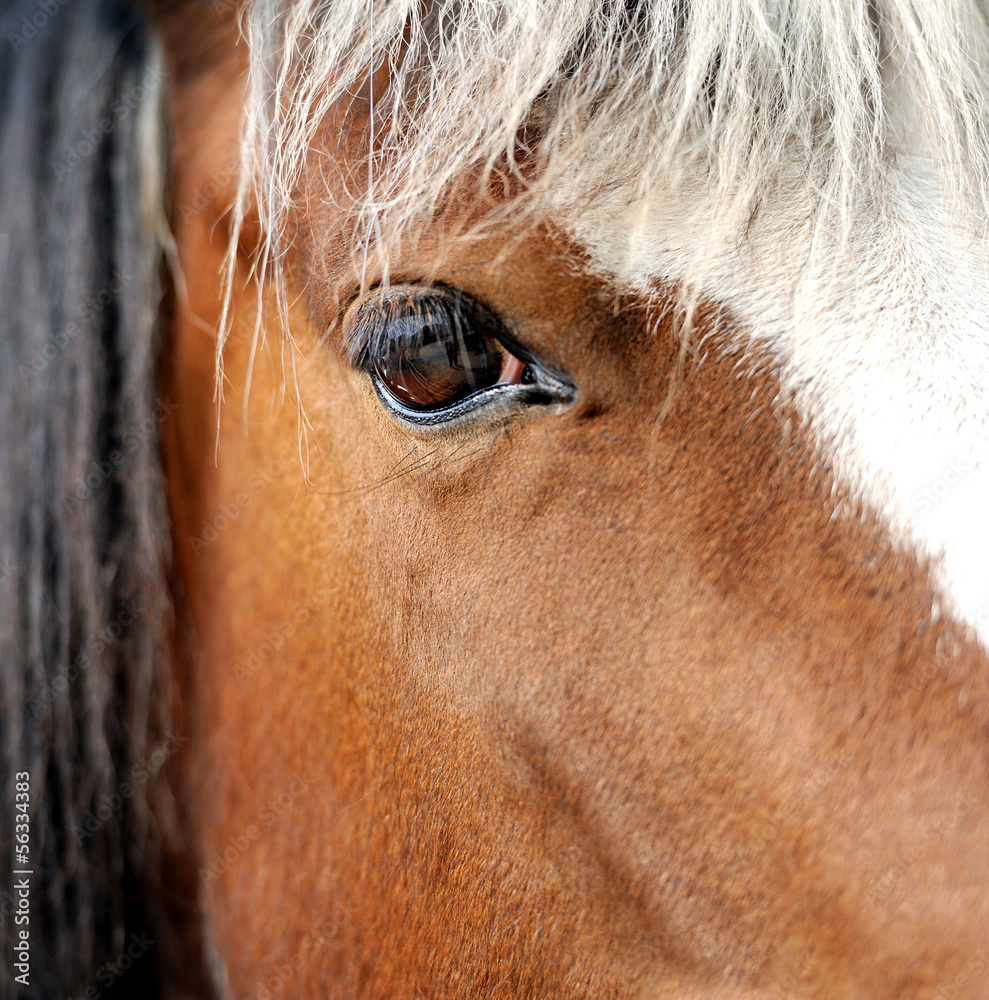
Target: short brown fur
<point x="602" y="703"/>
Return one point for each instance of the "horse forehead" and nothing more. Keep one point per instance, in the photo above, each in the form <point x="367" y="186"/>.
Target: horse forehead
<point x="885" y="355"/>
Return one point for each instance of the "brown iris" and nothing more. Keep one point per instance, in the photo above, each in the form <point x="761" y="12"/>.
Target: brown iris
<point x="432" y="348"/>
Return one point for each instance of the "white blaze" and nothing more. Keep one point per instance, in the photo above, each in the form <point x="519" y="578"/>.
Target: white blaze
<point x="887" y="357"/>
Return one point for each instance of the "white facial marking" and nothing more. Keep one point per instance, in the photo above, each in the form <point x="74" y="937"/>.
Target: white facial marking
<point x="888" y="358"/>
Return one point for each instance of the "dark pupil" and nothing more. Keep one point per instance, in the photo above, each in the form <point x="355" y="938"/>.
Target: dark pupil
<point x="432" y="355"/>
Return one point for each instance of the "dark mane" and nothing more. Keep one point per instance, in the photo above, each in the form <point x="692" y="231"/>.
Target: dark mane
<point x="83" y="524"/>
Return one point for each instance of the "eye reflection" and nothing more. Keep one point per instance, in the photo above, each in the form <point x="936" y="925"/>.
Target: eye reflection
<point x="435" y="347"/>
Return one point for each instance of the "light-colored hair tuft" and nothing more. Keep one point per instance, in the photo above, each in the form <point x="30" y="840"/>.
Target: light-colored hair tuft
<point x="577" y="97"/>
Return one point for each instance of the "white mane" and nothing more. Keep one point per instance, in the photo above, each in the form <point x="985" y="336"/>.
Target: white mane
<point x="729" y="93"/>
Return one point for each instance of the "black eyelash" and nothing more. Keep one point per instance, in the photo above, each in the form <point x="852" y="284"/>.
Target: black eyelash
<point x="370" y="329"/>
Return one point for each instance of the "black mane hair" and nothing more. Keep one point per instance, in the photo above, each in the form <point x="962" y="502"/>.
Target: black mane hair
<point x="84" y="551"/>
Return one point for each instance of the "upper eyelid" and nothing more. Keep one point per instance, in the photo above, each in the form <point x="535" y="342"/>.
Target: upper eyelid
<point x="359" y="337"/>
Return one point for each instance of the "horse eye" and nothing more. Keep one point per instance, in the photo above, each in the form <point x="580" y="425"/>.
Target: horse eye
<point x="431" y="348"/>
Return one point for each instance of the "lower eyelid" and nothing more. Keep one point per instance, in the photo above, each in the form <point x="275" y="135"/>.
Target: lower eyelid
<point x="475" y="407"/>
